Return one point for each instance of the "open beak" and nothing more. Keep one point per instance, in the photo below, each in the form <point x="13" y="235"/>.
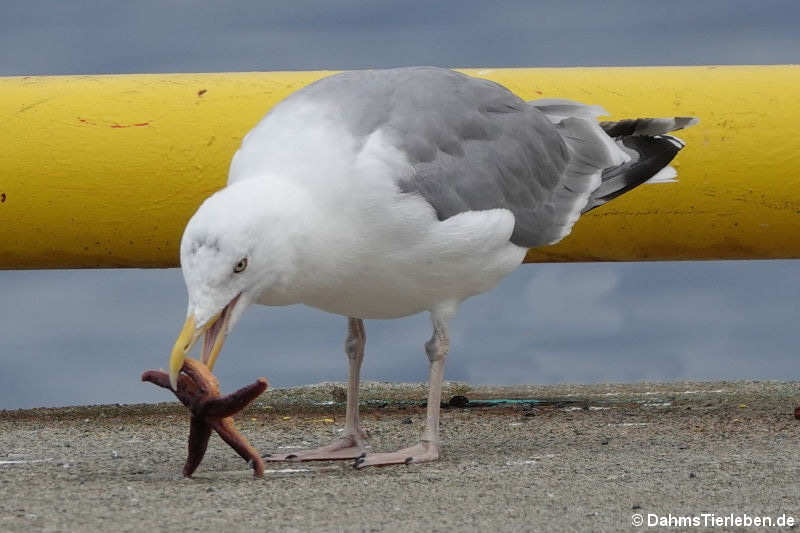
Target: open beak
<point x="216" y="329"/>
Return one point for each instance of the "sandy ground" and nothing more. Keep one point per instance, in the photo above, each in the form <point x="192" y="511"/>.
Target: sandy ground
<point x="585" y="458"/>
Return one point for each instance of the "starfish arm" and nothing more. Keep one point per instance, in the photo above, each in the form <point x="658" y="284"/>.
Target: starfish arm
<point x="199" y="433"/>
<point x="157" y="377"/>
<point x="231" y="404"/>
<point x="188" y="392"/>
<point x="201" y="376"/>
<point x="237" y="441"/>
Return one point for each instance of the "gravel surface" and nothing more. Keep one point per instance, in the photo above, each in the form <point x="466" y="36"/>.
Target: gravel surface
<point x="580" y="458"/>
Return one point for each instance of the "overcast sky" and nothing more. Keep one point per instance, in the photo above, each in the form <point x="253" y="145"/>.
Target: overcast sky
<point x="79" y="337"/>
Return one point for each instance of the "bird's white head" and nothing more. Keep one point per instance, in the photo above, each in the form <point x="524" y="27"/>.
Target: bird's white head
<point x="231" y="252"/>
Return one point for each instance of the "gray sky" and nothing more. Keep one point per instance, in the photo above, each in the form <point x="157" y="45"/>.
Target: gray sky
<point x="76" y="337"/>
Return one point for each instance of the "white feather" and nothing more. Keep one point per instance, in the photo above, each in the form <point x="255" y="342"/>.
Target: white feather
<point x="667" y="174"/>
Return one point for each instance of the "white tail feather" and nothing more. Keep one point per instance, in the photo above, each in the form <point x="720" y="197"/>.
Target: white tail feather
<point x="668" y="174"/>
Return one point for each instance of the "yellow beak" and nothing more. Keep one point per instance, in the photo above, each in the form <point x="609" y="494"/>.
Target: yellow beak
<point x="187" y="338"/>
<point x="210" y="356"/>
<point x="215" y="338"/>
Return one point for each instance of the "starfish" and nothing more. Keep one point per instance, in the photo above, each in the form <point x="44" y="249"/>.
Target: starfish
<point x="198" y="389"/>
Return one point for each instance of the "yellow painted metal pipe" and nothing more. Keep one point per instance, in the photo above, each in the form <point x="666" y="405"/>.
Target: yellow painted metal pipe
<point x="94" y="169"/>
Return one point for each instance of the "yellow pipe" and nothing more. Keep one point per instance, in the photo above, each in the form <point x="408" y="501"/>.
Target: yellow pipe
<point x="93" y="169"/>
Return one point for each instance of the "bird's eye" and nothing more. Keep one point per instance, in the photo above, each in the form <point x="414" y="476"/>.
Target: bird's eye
<point x="240" y="266"/>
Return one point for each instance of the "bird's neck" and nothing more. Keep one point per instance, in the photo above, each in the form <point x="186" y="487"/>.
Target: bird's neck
<point x="310" y="243"/>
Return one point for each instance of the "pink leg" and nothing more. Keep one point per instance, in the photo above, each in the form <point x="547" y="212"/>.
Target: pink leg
<point x="351" y="444"/>
<point x="428" y="448"/>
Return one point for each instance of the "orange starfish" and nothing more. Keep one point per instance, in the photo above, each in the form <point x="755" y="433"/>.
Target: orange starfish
<point x="198" y="389"/>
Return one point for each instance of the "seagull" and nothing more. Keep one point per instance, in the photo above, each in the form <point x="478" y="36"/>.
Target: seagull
<point x="379" y="194"/>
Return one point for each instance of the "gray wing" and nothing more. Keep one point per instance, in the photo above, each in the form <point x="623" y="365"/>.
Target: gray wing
<point x="473" y="145"/>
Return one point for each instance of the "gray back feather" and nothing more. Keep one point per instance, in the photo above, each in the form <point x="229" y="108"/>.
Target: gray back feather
<point x="472" y="143"/>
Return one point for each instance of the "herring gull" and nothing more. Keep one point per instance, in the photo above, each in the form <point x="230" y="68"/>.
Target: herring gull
<point x="384" y="193"/>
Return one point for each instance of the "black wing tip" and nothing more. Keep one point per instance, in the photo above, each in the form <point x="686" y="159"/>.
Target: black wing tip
<point x="655" y="153"/>
<point x="646" y="127"/>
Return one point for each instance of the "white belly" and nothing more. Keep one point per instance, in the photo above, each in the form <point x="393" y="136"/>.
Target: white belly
<point x="450" y="261"/>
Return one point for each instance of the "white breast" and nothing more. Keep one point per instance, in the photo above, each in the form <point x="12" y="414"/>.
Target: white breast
<point x="404" y="262"/>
